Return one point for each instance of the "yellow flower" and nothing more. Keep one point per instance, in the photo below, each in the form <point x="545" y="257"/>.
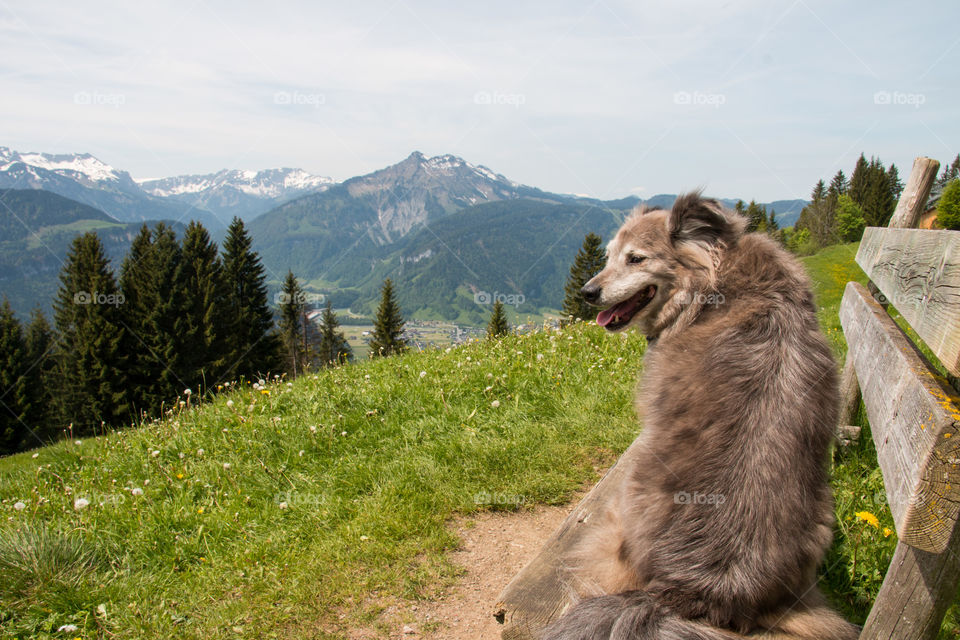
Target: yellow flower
<point x="886" y="532"/>
<point x="265" y="392"/>
<point x="200" y="510"/>
<point x="869" y="518"/>
<point x="179" y="476"/>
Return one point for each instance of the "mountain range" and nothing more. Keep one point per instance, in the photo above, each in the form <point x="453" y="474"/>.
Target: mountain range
<point x="451" y="234"/>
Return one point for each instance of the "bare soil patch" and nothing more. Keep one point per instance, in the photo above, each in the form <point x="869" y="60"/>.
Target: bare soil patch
<point x="495" y="546"/>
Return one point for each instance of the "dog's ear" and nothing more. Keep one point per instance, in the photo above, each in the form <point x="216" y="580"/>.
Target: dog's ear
<point x="694" y="218"/>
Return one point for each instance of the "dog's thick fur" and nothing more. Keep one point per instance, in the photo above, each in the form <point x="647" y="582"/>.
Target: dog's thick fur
<point x="722" y="523"/>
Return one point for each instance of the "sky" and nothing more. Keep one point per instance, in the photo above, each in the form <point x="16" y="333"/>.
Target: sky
<point x="749" y="99"/>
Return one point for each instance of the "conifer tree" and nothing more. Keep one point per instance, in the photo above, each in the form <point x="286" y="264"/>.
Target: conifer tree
<point x="387" y="336"/>
<point x="838" y="184"/>
<point x="205" y="338"/>
<point x="893" y="179"/>
<point x="292" y="305"/>
<point x="253" y="347"/>
<point x="91" y="339"/>
<point x="859" y="181"/>
<point x="15" y="400"/>
<point x="878" y="204"/>
<point x="772" y="225"/>
<point x="817" y="217"/>
<point x="137" y="283"/>
<point x="333" y="348"/>
<point x="42" y="378"/>
<point x="498" y="321"/>
<point x="588" y="263"/>
<point x="756" y="217"/>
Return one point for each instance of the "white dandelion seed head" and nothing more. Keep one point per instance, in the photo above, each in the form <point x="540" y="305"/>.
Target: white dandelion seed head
<point x="283" y="505"/>
<point x="199" y="452"/>
<point x="155" y="453"/>
<point x="19" y="506"/>
<point x="227" y="465"/>
<point x="68" y="628"/>
<point x="35" y="456"/>
<point x="137" y="491"/>
<point x="313" y="429"/>
<point x="230" y="403"/>
<point x="187" y="392"/>
<point x="423" y="374"/>
<point x="80" y="503"/>
<point x="495" y="404"/>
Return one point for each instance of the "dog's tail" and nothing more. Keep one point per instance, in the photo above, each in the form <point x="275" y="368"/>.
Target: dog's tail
<point x="635" y="615"/>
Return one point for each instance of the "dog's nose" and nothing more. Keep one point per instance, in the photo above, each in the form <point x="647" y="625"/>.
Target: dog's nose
<point x="591" y="293"/>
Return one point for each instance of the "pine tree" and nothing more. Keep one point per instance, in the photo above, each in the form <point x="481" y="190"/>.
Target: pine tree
<point x="139" y="290"/>
<point x="15" y="405"/>
<point x="292" y="305"/>
<point x="817" y="218"/>
<point x="253" y="346"/>
<point x="387" y="336"/>
<point x="756" y="217"/>
<point x="91" y="339"/>
<point x="205" y="338"/>
<point x="42" y="378"/>
<point x="772" y="225"/>
<point x="838" y="184"/>
<point x="333" y="349"/>
<point x="878" y="204"/>
<point x="588" y="263"/>
<point x="498" y="321"/>
<point x="893" y="179"/>
<point x="859" y="181"/>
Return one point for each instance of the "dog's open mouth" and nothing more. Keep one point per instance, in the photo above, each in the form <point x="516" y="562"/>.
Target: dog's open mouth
<point x="620" y="314"/>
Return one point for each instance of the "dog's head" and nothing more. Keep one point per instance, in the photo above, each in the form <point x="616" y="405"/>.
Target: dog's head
<point x="659" y="262"/>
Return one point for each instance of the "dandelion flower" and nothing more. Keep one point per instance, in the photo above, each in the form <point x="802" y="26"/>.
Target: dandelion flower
<point x="200" y="510"/>
<point x="78" y="442"/>
<point x="19" y="506"/>
<point x="495" y="404"/>
<point x="886" y="532"/>
<point x="869" y="518"/>
<point x="137" y="491"/>
<point x="35" y="456"/>
<point x="80" y="503"/>
<point x="343" y="433"/>
<point x="179" y="476"/>
<point x="230" y="404"/>
<point x="187" y="392"/>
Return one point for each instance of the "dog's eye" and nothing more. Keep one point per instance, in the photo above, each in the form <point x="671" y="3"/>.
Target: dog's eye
<point x="635" y="259"/>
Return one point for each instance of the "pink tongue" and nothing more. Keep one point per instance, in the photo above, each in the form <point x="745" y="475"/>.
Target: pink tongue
<point x="622" y="310"/>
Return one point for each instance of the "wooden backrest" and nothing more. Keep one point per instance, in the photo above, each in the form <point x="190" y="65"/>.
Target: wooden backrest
<point x="913" y="410"/>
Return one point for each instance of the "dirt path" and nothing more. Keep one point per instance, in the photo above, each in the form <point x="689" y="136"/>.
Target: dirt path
<point x="495" y="546"/>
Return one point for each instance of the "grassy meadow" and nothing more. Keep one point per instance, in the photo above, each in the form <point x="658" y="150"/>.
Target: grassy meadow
<point x="296" y="509"/>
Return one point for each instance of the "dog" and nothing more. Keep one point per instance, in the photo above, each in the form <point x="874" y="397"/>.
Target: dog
<point x="720" y="525"/>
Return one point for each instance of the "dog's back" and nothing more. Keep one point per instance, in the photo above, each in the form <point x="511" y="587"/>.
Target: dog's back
<point x="723" y="522"/>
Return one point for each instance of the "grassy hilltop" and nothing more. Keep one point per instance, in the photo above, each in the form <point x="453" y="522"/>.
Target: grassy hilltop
<point x="275" y="512"/>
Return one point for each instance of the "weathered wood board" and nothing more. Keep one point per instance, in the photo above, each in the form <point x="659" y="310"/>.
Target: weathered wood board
<point x="915" y="420"/>
<point x="538" y="594"/>
<point x="916" y="593"/>
<point x="913" y="200"/>
<point x="918" y="271"/>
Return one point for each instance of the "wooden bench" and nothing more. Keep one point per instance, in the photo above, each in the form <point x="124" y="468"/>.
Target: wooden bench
<point x="914" y="416"/>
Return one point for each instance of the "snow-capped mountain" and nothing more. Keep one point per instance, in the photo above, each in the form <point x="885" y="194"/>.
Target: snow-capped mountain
<point x="238" y="192"/>
<point x="85" y="178"/>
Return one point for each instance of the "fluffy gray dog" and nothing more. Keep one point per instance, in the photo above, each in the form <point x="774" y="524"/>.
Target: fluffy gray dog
<point x="721" y="524"/>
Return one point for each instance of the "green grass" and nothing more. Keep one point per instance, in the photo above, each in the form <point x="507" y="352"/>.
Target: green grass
<point x="370" y="460"/>
<point x="302" y="511"/>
